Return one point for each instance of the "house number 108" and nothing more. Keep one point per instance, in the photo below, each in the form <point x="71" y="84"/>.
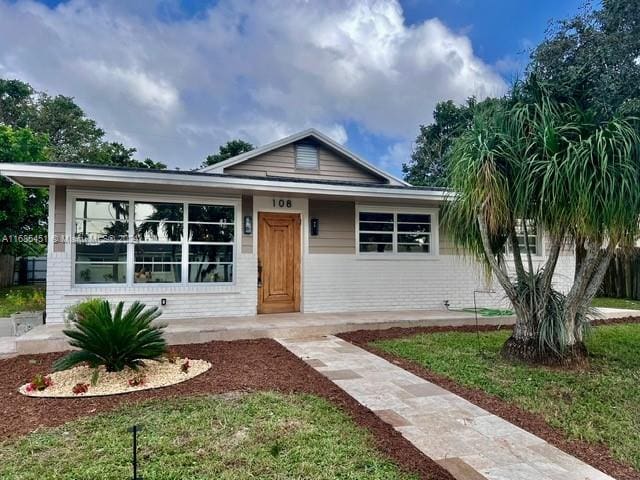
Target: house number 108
<point x="281" y="203"/>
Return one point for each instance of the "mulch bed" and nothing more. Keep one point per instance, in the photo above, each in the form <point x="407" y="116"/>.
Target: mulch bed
<point x="246" y="365"/>
<point x="597" y="455"/>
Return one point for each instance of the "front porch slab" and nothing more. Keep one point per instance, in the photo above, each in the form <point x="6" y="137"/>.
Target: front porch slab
<point x="49" y="338"/>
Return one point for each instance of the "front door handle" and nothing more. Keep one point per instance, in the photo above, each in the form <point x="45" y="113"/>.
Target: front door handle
<point x="259" y="274"/>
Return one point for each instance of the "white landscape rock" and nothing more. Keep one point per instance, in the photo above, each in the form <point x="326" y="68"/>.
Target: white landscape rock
<point x="156" y="374"/>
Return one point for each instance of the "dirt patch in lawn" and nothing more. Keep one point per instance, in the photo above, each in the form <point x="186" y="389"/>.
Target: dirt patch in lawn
<point x="251" y="365"/>
<point x="597" y="455"/>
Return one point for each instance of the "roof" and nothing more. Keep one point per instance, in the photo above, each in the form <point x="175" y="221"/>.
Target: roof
<point x="45" y="174"/>
<point x="296" y="137"/>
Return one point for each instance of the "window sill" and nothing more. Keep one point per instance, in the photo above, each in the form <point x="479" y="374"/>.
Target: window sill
<point x="147" y="289"/>
<point x="394" y="257"/>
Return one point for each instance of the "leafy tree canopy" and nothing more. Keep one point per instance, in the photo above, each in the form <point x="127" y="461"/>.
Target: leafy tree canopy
<point x="594" y="59"/>
<point x="73" y="137"/>
<point x="228" y="150"/>
<point x="22" y="212"/>
<point x="428" y="165"/>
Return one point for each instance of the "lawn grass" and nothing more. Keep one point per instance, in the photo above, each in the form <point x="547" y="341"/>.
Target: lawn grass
<point x="601" y="404"/>
<point x="609" y="302"/>
<point x="261" y="435"/>
<point x="21" y="299"/>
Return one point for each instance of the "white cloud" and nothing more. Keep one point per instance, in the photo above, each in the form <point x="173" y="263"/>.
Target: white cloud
<point x="396" y="154"/>
<point x="256" y="70"/>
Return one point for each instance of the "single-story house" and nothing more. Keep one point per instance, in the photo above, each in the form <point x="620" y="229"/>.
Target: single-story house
<point x="299" y="225"/>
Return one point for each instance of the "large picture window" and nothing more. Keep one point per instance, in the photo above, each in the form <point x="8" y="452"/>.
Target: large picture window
<point x="101" y="232"/>
<point x="394" y="232"/>
<point x="145" y="242"/>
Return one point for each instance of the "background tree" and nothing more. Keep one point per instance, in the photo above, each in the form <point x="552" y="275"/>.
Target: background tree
<point x="73" y="137"/>
<point x="537" y="161"/>
<point x="428" y="164"/>
<point x="21" y="211"/>
<point x="38" y="127"/>
<point x="593" y="59"/>
<point x="228" y="150"/>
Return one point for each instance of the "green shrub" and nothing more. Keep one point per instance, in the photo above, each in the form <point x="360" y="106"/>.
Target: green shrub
<point x="114" y="339"/>
<point x="75" y="313"/>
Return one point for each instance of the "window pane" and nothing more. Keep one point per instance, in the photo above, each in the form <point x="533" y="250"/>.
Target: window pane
<point x="102" y="210"/>
<point x="210" y="253"/>
<point x="210" y="213"/>
<point x="210" y="272"/>
<point x="157" y="252"/>
<point x="157" y="273"/>
<point x="210" y="233"/>
<point x="158" y="211"/>
<point x="376" y="227"/>
<point x="101" y="273"/>
<point x="414" y="217"/>
<point x="418" y="238"/>
<point x="158" y="231"/>
<point x="376" y="217"/>
<point x="414" y="227"/>
<point x="376" y="237"/>
<point x="376" y="247"/>
<point x="413" y="248"/>
<point x="103" y="252"/>
<point x="96" y="230"/>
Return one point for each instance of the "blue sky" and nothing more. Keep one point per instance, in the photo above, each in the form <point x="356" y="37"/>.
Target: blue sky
<point x="178" y="78"/>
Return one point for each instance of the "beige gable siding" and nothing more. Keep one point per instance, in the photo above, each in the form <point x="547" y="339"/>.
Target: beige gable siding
<point x="337" y="231"/>
<point x="60" y="219"/>
<point x="247" y="211"/>
<point x="281" y="163"/>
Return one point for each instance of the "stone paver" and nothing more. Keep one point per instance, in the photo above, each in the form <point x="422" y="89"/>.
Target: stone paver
<point x="471" y="443"/>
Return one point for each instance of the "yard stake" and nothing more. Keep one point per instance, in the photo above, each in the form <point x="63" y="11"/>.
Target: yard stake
<point x="134" y="430"/>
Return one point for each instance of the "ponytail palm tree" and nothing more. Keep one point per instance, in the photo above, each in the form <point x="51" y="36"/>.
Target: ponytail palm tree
<point x="549" y="164"/>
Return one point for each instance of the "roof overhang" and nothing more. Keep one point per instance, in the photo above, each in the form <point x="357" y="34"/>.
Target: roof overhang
<point x="44" y="175"/>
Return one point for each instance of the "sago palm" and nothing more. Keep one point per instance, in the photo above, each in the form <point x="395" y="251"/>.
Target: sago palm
<point x="115" y="339"/>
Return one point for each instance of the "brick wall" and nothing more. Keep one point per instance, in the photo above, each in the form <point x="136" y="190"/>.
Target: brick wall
<point x="182" y="301"/>
<point x="350" y="283"/>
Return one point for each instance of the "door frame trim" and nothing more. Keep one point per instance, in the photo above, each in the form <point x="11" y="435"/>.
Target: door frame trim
<point x="300" y="205"/>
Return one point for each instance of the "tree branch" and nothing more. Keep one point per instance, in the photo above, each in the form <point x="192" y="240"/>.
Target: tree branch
<point x="501" y="275"/>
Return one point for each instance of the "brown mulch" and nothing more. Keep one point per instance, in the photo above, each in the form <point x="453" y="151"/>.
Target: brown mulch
<point x="245" y="365"/>
<point x="597" y="455"/>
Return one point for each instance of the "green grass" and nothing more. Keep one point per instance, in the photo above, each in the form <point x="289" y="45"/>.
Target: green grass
<point x="21" y="299"/>
<point x="255" y="436"/>
<point x="608" y="302"/>
<point x="601" y="404"/>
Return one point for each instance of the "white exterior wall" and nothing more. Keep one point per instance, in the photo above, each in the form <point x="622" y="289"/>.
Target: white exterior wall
<point x="182" y="301"/>
<point x="330" y="282"/>
<point x="334" y="283"/>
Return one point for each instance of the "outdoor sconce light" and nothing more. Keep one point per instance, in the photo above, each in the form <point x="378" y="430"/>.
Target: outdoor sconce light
<point x="315" y="226"/>
<point x="248" y="225"/>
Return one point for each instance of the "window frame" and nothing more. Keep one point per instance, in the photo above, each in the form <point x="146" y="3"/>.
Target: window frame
<point x="132" y="198"/>
<point x="434" y="240"/>
<point x="539" y="245"/>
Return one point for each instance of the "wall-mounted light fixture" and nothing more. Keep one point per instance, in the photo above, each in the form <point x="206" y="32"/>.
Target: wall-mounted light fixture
<point x="315" y="227"/>
<point x="247" y="225"/>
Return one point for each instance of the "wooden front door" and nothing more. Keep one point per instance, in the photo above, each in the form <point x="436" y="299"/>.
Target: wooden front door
<point x="278" y="262"/>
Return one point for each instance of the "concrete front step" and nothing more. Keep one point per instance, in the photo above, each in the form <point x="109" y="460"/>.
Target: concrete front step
<point x="49" y="338"/>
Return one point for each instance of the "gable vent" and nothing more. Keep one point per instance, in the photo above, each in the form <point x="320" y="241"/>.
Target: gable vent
<point x="306" y="156"/>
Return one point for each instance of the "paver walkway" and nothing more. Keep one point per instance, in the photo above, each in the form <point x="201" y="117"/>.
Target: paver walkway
<point x="471" y="443"/>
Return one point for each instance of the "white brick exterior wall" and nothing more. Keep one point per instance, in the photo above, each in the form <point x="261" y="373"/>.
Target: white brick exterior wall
<point x="334" y="283"/>
<point x="331" y="283"/>
<point x="182" y="301"/>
